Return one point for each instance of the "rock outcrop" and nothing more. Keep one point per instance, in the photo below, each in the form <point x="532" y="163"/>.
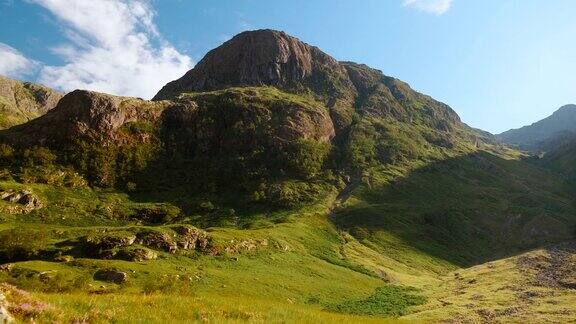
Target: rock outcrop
<point x="263" y="57"/>
<point x="244" y="120"/>
<point x="89" y="116"/>
<point x="23" y="197"/>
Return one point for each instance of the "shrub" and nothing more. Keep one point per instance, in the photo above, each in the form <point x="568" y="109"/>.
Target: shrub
<point x="22" y="244"/>
<point x="288" y="194"/>
<point x="6" y="154"/>
<point x="305" y="158"/>
<point x="39" y="155"/>
<point x="163" y="213"/>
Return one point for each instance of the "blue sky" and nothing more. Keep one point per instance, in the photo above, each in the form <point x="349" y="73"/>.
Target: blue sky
<point x="499" y="63"/>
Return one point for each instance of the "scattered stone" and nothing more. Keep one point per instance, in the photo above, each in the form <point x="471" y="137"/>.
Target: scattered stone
<point x="138" y="255"/>
<point x="7" y="266"/>
<point x="554" y="268"/>
<point x="111" y="275"/>
<point x="22" y="197"/>
<point x="110" y="241"/>
<point x="5" y="316"/>
<point x="64" y="258"/>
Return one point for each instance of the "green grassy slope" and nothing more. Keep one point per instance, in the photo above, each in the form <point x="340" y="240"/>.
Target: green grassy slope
<point x="465" y="210"/>
<point x="297" y="270"/>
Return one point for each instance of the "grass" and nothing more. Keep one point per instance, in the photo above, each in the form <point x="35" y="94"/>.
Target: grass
<point x="291" y="271"/>
<point x="461" y="211"/>
<point x="426" y="200"/>
<point x="386" y="301"/>
<point x="393" y="256"/>
<point x="499" y="291"/>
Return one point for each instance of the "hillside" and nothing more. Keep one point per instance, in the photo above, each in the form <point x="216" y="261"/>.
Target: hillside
<point x="545" y="134"/>
<point x="270" y="183"/>
<point x="23" y="101"/>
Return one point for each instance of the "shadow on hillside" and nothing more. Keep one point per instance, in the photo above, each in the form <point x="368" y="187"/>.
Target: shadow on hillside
<point x="466" y="210"/>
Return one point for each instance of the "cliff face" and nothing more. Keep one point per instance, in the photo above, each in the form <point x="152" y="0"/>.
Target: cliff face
<point x="86" y="115"/>
<point x="23" y="101"/>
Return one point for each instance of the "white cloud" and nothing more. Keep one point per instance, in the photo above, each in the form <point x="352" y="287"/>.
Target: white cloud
<point x="114" y="47"/>
<point x="437" y="7"/>
<point x="14" y="64"/>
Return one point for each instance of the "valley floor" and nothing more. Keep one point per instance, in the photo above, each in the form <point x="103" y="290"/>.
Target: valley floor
<point x="294" y="285"/>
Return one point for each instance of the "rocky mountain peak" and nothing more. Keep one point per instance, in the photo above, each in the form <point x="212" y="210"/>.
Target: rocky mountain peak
<point x="261" y="57"/>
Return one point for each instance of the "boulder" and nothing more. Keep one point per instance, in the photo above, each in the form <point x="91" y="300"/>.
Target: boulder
<point x="111" y="275"/>
<point x="109" y="241"/>
<point x="22" y="197"/>
<point x="157" y="240"/>
<point x="30" y="201"/>
<point x="138" y="255"/>
<point x="64" y="258"/>
<point x="192" y="238"/>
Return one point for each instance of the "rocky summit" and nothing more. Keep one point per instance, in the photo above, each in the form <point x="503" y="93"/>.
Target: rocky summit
<point x="262" y="57"/>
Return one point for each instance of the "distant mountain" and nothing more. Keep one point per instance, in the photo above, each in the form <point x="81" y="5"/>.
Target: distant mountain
<point x="23" y="101"/>
<point x="545" y="134"/>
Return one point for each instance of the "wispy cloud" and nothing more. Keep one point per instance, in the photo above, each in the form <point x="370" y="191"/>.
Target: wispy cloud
<point x="437" y="7"/>
<point x="113" y="46"/>
<point x="14" y="64"/>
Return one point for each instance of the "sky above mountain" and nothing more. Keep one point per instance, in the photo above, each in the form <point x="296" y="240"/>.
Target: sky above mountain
<point x="499" y="63"/>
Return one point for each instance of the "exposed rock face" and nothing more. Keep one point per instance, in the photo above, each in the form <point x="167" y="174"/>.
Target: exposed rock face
<point x="241" y="120"/>
<point x="267" y="57"/>
<point x="262" y="57"/>
<point x="271" y="58"/>
<point x="23" y="101"/>
<point x="87" y="115"/>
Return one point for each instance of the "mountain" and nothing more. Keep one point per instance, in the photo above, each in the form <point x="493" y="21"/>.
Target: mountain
<point x="546" y="133"/>
<point x="273" y="58"/>
<point x="271" y="164"/>
<point x="264" y="109"/>
<point x="23" y="101"/>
